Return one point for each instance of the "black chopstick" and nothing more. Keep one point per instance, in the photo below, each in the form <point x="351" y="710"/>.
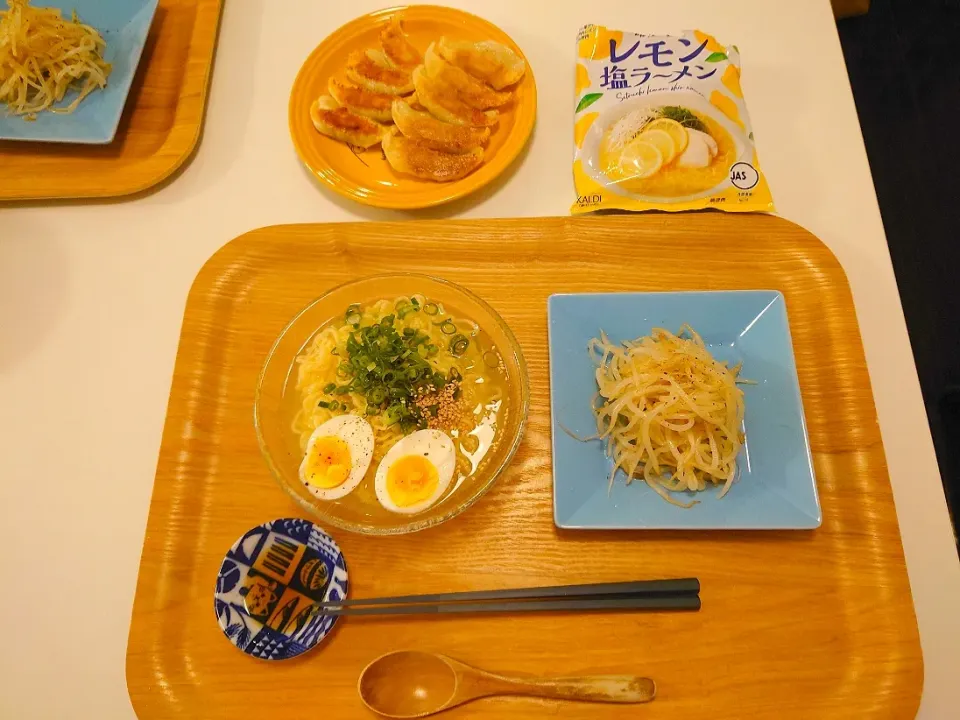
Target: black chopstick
<point x="638" y="588"/>
<point x="649" y="603"/>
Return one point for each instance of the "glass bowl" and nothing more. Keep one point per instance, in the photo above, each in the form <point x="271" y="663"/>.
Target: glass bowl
<point x="277" y="399"/>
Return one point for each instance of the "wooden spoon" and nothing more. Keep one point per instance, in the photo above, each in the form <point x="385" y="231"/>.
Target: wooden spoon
<point x="410" y="684"/>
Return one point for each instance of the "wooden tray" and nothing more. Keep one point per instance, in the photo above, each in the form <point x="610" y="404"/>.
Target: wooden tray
<point x="159" y="129"/>
<point x="794" y="624"/>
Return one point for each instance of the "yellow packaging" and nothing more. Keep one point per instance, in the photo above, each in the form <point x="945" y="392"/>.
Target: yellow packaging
<point x="661" y="124"/>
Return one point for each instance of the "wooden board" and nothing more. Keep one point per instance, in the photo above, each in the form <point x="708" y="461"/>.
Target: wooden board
<point x="159" y="129"/>
<point x="794" y="624"/>
<point x="848" y="8"/>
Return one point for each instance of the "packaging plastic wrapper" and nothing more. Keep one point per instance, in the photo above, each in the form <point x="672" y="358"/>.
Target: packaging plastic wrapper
<point x="660" y="123"/>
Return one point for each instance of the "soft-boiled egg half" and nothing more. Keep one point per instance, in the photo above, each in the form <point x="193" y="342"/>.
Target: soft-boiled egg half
<point x="338" y="455"/>
<point x="416" y="471"/>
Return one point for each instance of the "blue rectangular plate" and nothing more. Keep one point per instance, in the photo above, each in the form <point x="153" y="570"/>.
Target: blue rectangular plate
<point x="776" y="487"/>
<point x="124" y="25"/>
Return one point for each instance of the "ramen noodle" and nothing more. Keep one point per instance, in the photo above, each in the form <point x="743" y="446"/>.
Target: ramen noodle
<point x="661" y="124"/>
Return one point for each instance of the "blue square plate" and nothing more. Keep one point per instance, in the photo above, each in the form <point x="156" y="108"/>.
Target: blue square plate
<point x="124" y="25"/>
<point x="776" y="488"/>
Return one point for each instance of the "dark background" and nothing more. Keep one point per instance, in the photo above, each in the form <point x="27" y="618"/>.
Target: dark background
<point x="903" y="58"/>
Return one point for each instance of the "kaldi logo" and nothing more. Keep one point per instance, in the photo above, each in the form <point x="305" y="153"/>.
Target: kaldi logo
<point x="594" y="199"/>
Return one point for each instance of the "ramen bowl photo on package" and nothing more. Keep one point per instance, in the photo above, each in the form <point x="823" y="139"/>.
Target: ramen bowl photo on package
<point x="644" y="149"/>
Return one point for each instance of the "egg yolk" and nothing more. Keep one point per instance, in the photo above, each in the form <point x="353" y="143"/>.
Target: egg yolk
<point x="329" y="464"/>
<point x="412" y="479"/>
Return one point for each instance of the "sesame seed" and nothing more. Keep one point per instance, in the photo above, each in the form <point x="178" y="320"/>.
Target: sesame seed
<point x="449" y="410"/>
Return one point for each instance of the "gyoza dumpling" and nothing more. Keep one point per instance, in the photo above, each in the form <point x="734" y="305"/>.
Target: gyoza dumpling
<point x="436" y="134"/>
<point x="410" y="156"/>
<point x="341" y="124"/>
<point x="365" y="69"/>
<point x="488" y="60"/>
<point x="445" y="104"/>
<point x="375" y="106"/>
<point x="397" y="47"/>
<point x="475" y="93"/>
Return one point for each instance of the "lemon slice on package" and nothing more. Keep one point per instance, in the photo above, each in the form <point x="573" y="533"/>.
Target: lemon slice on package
<point x="640" y="159"/>
<point x="662" y="141"/>
<point x="676" y="131"/>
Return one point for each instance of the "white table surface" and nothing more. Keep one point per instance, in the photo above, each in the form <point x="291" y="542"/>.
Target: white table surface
<point x="92" y="295"/>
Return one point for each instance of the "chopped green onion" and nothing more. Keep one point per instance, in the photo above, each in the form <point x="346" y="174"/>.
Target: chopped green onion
<point x="334" y="405"/>
<point x="389" y="365"/>
<point x="353" y="316"/>
<point x="323" y="404"/>
<point x="392" y="415"/>
<point x="454" y="375"/>
<point x="459" y="344"/>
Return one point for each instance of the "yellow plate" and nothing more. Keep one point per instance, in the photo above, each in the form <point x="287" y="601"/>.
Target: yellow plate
<point x="367" y="177"/>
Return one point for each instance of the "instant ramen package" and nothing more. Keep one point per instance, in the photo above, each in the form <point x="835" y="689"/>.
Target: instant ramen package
<point x="660" y="124"/>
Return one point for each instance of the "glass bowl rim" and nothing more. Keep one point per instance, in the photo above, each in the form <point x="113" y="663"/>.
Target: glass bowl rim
<point x="414" y="526"/>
